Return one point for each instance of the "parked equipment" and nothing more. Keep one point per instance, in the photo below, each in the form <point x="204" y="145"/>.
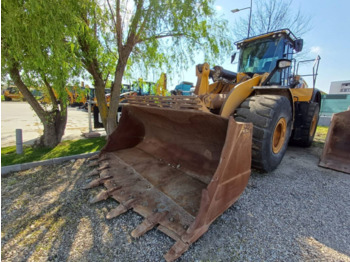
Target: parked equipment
<point x="181" y="161"/>
<point x="77" y="96"/>
<point x="336" y="152"/>
<point x="12" y="92"/>
<point x="184" y="88"/>
<point x="137" y="88"/>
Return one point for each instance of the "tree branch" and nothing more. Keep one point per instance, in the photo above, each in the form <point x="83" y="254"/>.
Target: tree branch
<point x="137" y="37"/>
<point x="161" y="36"/>
<point x="131" y="41"/>
<point x="113" y="18"/>
<point x="16" y="77"/>
<point x="51" y="93"/>
<point x="119" y="30"/>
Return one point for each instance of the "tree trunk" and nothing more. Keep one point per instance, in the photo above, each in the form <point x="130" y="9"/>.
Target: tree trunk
<point x="101" y="99"/>
<point x="54" y="129"/>
<point x="114" y="102"/>
<point x="115" y="92"/>
<point x="54" y="122"/>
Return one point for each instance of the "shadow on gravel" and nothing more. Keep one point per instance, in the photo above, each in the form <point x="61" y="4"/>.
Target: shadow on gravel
<point x="46" y="216"/>
<point x="299" y="212"/>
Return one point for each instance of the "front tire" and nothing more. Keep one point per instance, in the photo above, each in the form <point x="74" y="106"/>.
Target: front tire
<point x="271" y="116"/>
<point x="308" y="127"/>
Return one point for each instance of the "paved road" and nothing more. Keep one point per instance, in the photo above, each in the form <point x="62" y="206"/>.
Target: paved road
<point x="20" y="115"/>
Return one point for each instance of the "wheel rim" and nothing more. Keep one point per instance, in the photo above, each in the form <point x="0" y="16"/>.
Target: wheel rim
<point x="313" y="125"/>
<point x="279" y="135"/>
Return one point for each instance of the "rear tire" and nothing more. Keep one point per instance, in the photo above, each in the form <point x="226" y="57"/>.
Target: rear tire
<point x="308" y="128"/>
<point x="271" y="116"/>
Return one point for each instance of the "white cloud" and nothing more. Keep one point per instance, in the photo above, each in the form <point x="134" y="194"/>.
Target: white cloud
<point x="315" y="50"/>
<point x="218" y="7"/>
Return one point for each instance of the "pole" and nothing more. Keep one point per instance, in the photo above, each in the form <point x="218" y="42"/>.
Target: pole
<point x="89" y="112"/>
<point x="19" y="142"/>
<point x="250" y="16"/>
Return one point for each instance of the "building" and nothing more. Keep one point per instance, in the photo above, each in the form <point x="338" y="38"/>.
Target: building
<point x="340" y="87"/>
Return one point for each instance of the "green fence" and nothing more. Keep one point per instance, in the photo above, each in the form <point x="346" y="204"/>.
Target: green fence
<point x="334" y="104"/>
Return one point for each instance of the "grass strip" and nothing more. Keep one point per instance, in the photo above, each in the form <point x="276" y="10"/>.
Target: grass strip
<point x="320" y="136"/>
<point x="65" y="148"/>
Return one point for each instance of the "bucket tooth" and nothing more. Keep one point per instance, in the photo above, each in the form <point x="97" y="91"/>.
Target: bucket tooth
<point x="176" y="251"/>
<point x="93" y="173"/>
<point x="93" y="163"/>
<point x="96" y="182"/>
<point x="101" y="196"/>
<point x="121" y="209"/>
<point x="94" y="157"/>
<point x="103" y="159"/>
<point x="104" y="195"/>
<point x="103" y="166"/>
<point x="105" y="173"/>
<point x="148" y="224"/>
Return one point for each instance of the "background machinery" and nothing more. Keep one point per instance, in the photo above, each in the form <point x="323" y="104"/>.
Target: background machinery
<point x="181" y="161"/>
<point x="184" y="88"/>
<point x="12" y="92"/>
<point x="137" y="88"/>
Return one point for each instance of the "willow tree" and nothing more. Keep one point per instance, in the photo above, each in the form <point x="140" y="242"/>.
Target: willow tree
<point x="155" y="33"/>
<point x="271" y="15"/>
<point x="36" y="50"/>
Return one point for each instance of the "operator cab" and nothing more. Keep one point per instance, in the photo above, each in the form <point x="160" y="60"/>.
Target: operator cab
<point x="259" y="55"/>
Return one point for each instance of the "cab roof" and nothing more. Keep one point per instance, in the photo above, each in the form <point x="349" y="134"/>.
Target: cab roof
<point x="278" y="33"/>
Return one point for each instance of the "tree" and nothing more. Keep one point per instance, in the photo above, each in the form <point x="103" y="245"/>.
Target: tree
<point x="35" y="52"/>
<point x="271" y="15"/>
<point x="118" y="35"/>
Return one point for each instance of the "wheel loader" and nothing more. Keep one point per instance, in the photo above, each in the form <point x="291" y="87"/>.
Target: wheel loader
<point x="181" y="161"/>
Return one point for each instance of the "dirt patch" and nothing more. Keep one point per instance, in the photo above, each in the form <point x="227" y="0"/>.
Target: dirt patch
<point x="299" y="212"/>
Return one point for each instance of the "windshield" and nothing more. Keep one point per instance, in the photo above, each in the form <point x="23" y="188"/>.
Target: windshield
<point x="260" y="56"/>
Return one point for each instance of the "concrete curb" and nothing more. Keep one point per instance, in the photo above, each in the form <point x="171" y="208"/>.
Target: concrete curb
<point x="54" y="161"/>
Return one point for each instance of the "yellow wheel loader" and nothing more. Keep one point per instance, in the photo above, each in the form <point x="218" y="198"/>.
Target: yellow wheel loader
<point x="181" y="161"/>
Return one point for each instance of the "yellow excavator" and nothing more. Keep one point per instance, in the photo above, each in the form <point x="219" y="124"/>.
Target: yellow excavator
<point x="181" y="161"/>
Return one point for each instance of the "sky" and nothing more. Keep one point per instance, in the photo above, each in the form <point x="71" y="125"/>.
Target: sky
<point x="329" y="38"/>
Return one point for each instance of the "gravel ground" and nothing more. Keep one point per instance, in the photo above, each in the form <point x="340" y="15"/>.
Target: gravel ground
<point x="299" y="212"/>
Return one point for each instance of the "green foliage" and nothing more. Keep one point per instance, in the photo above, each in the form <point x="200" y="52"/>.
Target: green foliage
<point x="169" y="34"/>
<point x="38" y="37"/>
<point x="175" y="32"/>
<point x="65" y="148"/>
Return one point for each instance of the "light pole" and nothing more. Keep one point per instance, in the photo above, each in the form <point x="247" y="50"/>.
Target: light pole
<point x="250" y="14"/>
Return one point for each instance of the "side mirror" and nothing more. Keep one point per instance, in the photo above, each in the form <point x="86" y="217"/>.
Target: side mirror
<point x="283" y="63"/>
<point x="233" y="57"/>
<point x="298" y="45"/>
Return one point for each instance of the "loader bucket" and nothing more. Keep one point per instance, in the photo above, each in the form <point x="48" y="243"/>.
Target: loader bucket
<point x="336" y="152"/>
<point x="179" y="169"/>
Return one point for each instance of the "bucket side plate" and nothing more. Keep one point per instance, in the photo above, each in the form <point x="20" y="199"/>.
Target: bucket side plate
<point x="336" y="152"/>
